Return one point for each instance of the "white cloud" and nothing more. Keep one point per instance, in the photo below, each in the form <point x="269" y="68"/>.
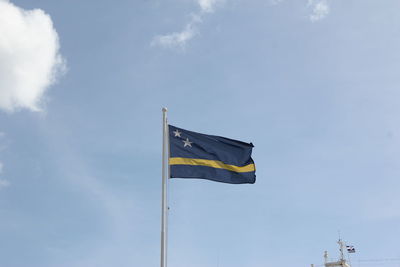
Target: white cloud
<point x="179" y="39"/>
<point x="320" y="9"/>
<point x="29" y="57"/>
<point x="1" y="167"/>
<point x="176" y="39"/>
<point x="208" y="5"/>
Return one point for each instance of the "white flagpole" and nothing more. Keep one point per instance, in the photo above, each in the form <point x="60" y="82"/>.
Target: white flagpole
<point x="165" y="177"/>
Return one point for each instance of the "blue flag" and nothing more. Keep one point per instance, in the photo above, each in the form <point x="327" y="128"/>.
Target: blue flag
<point x="202" y="156"/>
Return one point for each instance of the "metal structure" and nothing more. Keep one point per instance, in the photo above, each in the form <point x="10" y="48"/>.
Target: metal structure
<point x="342" y="262"/>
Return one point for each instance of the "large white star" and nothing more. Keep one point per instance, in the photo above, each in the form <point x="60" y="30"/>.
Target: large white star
<point x="187" y="143"/>
<point x="177" y="133"/>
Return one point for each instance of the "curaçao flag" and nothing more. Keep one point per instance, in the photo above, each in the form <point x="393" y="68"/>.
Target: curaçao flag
<point x="202" y="156"/>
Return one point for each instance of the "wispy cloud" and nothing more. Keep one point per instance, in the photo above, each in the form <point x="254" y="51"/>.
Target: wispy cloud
<point x="116" y="208"/>
<point x="29" y="57"/>
<point x="179" y="39"/>
<point x="208" y="5"/>
<point x="320" y="9"/>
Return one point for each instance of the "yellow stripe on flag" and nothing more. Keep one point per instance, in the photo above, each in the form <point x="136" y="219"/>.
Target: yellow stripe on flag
<point x="211" y="163"/>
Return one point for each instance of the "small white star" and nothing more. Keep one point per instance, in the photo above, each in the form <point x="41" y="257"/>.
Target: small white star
<point x="187" y="143"/>
<point x="177" y="133"/>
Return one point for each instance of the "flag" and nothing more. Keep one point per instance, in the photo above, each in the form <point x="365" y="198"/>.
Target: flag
<point x="351" y="249"/>
<point x="220" y="159"/>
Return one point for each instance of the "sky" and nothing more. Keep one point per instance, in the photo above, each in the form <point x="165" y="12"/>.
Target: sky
<point x="314" y="85"/>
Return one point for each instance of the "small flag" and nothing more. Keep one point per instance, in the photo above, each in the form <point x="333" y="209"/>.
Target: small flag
<point x="196" y="155"/>
<point x="351" y="249"/>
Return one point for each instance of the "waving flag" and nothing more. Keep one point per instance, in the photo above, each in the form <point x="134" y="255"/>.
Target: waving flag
<point x="351" y="249"/>
<point x="196" y="155"/>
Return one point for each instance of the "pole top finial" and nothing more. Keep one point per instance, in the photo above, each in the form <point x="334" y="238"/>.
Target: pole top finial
<point x="164" y="109"/>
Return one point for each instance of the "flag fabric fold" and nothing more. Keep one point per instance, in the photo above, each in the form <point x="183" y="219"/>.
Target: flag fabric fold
<point x="202" y="156"/>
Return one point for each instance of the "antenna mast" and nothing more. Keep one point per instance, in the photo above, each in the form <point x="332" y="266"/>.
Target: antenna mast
<point x="341" y="262"/>
<point x="341" y="245"/>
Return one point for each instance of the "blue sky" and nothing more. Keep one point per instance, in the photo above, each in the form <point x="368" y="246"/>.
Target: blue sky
<point x="314" y="85"/>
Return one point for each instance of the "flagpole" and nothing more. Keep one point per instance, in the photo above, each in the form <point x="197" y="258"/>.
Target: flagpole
<point x="165" y="176"/>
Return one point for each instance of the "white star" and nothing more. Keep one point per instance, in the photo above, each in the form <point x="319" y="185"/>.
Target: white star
<point x="177" y="133"/>
<point x="187" y="143"/>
